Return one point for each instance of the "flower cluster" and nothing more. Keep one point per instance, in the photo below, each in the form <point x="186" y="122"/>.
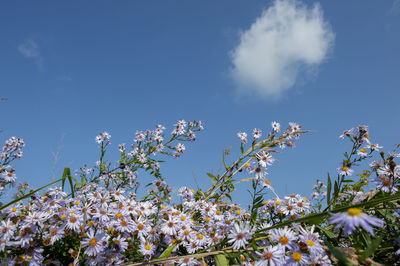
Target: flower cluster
<point x="104" y="220"/>
<point x="12" y="149"/>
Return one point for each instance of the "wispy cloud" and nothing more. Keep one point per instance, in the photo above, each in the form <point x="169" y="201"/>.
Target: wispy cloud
<point x="287" y="39"/>
<point x="395" y="10"/>
<point x="30" y="49"/>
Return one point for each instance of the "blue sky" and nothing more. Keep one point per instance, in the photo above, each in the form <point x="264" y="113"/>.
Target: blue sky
<point x="79" y="68"/>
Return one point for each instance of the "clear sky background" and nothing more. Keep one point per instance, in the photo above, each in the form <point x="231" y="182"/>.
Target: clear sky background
<point x="81" y="67"/>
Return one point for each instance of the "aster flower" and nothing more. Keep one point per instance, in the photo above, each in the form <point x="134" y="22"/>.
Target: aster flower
<point x="120" y="243"/>
<point x="346" y="133"/>
<point x="7" y="229"/>
<point x="242" y="136"/>
<point x="239" y="235"/>
<point x="8" y="176"/>
<point x="284" y="236"/>
<point x="256" y="133"/>
<point x="93" y="242"/>
<point x="188" y="262"/>
<point x="276" y="126"/>
<point x="270" y="256"/>
<point x="170" y="227"/>
<point x="353" y="218"/>
<point x="265" y="159"/>
<point x="344" y="170"/>
<point x="297" y="258"/>
<point x="147" y="248"/>
<point x="362" y="152"/>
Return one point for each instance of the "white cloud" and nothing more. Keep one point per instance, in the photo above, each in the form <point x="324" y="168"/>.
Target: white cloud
<point x="30" y="49"/>
<point x="287" y="39"/>
<point x="395" y="10"/>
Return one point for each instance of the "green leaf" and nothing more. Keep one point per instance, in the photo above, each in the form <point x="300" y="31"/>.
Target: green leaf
<point x="28" y="195"/>
<point x="327" y="232"/>
<point x="328" y="193"/>
<point x="67" y="175"/>
<point x="211" y="175"/>
<point x="372" y="246"/>
<point x="166" y="252"/>
<point x="253" y="217"/>
<point x="347" y="181"/>
<point x="343" y="260"/>
<point x="221" y="260"/>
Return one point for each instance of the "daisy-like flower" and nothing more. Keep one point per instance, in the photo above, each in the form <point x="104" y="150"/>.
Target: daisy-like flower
<point x="271" y="255"/>
<point x="74" y="222"/>
<point x="374" y="147"/>
<point x="362" y="152"/>
<point x="242" y="136"/>
<point x="276" y="126"/>
<point x="346" y="133"/>
<point x="121" y="243"/>
<point x="56" y="233"/>
<point x="353" y="218"/>
<point x="344" y="170"/>
<point x="7" y="229"/>
<point x="265" y="159"/>
<point x="125" y="225"/>
<point x="93" y="242"/>
<point x="8" y="176"/>
<point x="180" y="147"/>
<point x="147" y="248"/>
<point x="188" y="262"/>
<point x="256" y="133"/>
<point x="239" y="235"/>
<point x="267" y="183"/>
<point x="385" y="184"/>
<point x="170" y="227"/>
<point x="284" y="236"/>
<point x="297" y="258"/>
<point x="259" y="173"/>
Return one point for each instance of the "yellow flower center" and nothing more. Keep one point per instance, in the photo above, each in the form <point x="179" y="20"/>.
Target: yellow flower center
<point x="283" y="240"/>
<point x="296" y="256"/>
<point x="140" y="226"/>
<point x="118" y="215"/>
<point x="267" y="182"/>
<point x="354" y="212"/>
<point x="183" y="218"/>
<point x="163" y="207"/>
<point x="265" y="202"/>
<point x="366" y="136"/>
<point x="14" y="209"/>
<point x="208" y="219"/>
<point x="200" y="236"/>
<point x="63" y="216"/>
<point x="147" y="247"/>
<point x="247" y="165"/>
<point x="363" y="150"/>
<point x="77" y="202"/>
<point x="92" y="242"/>
<point x="218" y="213"/>
<point x="310" y="242"/>
<point x="238" y="212"/>
<point x="278" y="203"/>
<point x="345" y="168"/>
